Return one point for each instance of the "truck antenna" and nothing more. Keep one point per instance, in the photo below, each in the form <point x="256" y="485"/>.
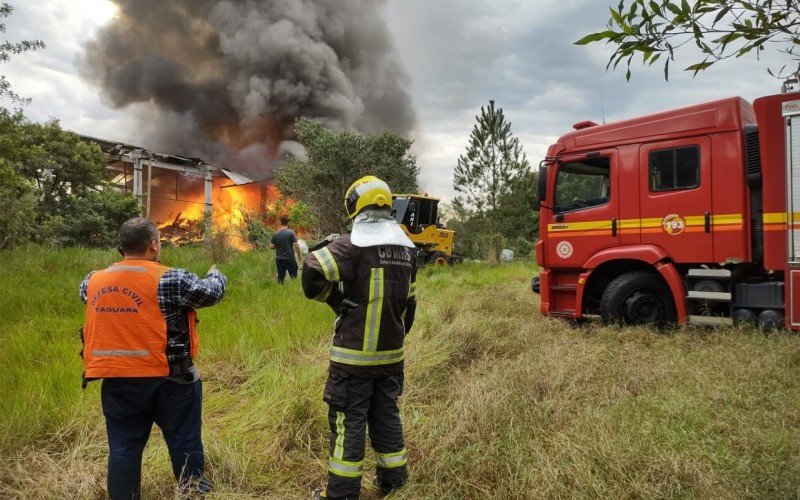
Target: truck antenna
<point x="603" y="108"/>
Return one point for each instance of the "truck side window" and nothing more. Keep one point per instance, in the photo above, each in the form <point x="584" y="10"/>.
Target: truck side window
<point x="672" y="169"/>
<point x="583" y="184"/>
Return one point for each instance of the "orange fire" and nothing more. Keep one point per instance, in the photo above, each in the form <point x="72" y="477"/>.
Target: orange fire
<point x="231" y="204"/>
<point x="181" y="221"/>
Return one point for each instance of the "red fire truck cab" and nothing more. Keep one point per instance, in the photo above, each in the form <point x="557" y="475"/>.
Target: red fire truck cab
<point x="690" y="215"/>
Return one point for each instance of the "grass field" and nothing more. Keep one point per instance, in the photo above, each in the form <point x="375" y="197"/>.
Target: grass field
<point x="500" y="402"/>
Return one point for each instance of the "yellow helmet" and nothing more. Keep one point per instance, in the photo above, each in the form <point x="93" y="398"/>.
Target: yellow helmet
<point x="367" y="192"/>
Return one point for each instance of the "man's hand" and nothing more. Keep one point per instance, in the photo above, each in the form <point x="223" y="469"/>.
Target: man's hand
<point x="212" y="269"/>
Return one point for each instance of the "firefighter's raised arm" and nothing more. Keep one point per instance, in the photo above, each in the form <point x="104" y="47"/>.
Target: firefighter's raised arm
<point x="323" y="269"/>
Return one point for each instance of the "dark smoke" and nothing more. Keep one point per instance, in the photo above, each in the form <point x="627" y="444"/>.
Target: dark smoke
<point x="222" y="77"/>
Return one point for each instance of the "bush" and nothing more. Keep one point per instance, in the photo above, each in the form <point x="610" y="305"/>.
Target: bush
<point x="255" y="231"/>
<point x="91" y="221"/>
<point x="524" y="248"/>
<point x="19" y="205"/>
<point x="218" y="245"/>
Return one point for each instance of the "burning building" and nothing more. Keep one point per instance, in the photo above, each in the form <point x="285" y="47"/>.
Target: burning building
<point x="224" y="81"/>
<point x="178" y="193"/>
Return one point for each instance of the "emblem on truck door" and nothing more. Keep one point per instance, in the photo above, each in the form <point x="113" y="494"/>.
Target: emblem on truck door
<point x="564" y="249"/>
<point x="673" y="224"/>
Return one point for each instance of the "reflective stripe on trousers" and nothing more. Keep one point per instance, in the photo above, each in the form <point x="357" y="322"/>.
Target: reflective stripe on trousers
<point x="391" y="460"/>
<point x="338" y="451"/>
<point x="345" y="468"/>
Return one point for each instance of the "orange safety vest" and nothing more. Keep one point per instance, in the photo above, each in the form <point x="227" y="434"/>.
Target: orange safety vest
<point x="125" y="334"/>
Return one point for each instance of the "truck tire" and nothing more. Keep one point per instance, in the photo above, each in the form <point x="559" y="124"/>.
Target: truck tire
<point x="638" y="298"/>
<point x="438" y="259"/>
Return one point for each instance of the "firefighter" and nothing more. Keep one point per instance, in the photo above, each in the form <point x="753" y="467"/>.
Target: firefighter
<point x="140" y="338"/>
<point x="368" y="278"/>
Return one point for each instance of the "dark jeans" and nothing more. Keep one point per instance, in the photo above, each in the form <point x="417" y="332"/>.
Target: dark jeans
<point x="356" y="404"/>
<point x="286" y="265"/>
<point x="131" y="407"/>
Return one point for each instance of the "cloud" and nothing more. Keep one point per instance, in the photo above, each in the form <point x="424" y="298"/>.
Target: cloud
<point x="521" y="54"/>
<point x="459" y="55"/>
<point x="49" y="76"/>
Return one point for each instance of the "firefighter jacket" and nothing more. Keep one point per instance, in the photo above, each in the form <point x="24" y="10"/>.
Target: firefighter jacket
<point x="126" y="334"/>
<point x="373" y="291"/>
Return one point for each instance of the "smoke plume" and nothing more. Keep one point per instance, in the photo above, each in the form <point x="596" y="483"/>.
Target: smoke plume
<point x="225" y="79"/>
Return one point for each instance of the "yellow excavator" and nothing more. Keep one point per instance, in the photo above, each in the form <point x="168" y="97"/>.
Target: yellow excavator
<point x="418" y="215"/>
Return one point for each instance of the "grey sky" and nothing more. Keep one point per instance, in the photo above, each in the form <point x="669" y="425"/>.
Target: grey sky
<point x="459" y="56"/>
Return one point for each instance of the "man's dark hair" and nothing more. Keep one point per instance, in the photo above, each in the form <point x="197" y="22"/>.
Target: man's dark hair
<point x="284" y="221"/>
<point x="136" y="234"/>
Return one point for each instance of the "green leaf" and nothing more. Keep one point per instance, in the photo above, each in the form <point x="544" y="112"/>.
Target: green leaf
<point x="699" y="67"/>
<point x="617" y="17"/>
<point x="726" y="39"/>
<point x="674" y="9"/>
<point x="594" y="37"/>
<point x="654" y="59"/>
<point x="655" y="8"/>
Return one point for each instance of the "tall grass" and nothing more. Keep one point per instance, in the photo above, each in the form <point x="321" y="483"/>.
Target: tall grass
<point x="500" y="402"/>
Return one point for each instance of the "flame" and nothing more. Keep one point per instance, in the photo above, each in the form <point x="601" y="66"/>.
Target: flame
<point x="181" y="220"/>
<point x="230" y="205"/>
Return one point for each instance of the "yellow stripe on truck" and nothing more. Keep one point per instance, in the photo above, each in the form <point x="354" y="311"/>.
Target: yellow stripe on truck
<point x="650" y="222"/>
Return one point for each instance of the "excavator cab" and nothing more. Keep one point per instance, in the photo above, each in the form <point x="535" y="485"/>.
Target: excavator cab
<point x="418" y="215"/>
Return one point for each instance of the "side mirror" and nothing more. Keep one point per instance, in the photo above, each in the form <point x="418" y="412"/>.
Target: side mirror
<point x="541" y="187"/>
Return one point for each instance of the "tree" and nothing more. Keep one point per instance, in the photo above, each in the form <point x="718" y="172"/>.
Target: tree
<point x="720" y="29"/>
<point x="518" y="220"/>
<point x="492" y="163"/>
<point x="7" y="49"/>
<point x="336" y="160"/>
<point x="58" y="162"/>
<point x="66" y="177"/>
<point x="470" y="227"/>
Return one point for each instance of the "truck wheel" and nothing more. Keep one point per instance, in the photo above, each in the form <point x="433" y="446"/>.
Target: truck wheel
<point x="638" y="298"/>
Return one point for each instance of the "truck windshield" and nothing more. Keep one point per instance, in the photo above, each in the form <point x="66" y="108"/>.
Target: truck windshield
<point x="583" y="184"/>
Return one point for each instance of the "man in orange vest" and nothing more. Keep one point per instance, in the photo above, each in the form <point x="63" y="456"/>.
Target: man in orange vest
<point x="140" y="337"/>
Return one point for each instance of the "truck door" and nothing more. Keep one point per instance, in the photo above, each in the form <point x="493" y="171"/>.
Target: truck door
<point x="585" y="212"/>
<point x="676" y="211"/>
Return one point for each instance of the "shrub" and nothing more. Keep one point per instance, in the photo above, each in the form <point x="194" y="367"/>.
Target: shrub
<point x="217" y="245"/>
<point x="19" y="204"/>
<point x="92" y="220"/>
<point x="255" y="231"/>
<point x="524" y="248"/>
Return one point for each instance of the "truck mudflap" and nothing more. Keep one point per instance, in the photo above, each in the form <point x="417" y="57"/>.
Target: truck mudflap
<point x="675" y="284"/>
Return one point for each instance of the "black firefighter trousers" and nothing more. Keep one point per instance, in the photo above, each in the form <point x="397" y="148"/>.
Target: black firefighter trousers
<point x="355" y="404"/>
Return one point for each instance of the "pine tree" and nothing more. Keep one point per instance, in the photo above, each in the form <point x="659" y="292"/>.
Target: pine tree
<point x="486" y="172"/>
<point x="7" y="49"/>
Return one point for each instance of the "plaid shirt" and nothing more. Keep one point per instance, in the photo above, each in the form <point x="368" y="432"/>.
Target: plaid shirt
<point x="178" y="291"/>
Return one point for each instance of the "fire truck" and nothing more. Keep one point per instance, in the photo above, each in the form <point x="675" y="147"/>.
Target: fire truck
<point x="690" y="215"/>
